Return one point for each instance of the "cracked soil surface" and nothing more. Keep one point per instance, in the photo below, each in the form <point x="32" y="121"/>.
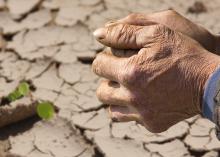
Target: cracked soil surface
<point x="49" y="44"/>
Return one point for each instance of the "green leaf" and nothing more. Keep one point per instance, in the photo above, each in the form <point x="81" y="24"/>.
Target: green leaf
<point x="45" y="110"/>
<point x="24" y="88"/>
<point x="14" y="96"/>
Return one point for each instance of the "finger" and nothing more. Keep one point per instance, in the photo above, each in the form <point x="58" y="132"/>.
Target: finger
<point x="169" y="18"/>
<point x="135" y="19"/>
<point x="109" y="66"/>
<point x="139" y="19"/>
<point x="124" y="36"/>
<point x="110" y="92"/>
<point x="123" y="114"/>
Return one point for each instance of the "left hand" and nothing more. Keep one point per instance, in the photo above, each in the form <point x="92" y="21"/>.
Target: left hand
<point x="176" y="22"/>
<point x="163" y="83"/>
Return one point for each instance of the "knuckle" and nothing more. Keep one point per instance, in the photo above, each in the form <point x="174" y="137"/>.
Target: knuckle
<point x="163" y="32"/>
<point x="130" y="75"/>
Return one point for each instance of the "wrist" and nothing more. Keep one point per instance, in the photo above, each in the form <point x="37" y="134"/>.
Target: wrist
<point x="208" y="64"/>
<point x="208" y="78"/>
<point x="210" y="94"/>
<point x="211" y="99"/>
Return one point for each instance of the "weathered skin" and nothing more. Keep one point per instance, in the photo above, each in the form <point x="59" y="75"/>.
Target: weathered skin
<point x="177" y="22"/>
<point x="163" y="82"/>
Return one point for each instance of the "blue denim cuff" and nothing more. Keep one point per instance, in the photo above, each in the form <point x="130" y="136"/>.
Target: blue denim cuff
<point x="211" y="88"/>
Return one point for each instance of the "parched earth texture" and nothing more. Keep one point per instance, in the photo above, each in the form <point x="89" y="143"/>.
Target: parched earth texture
<point x="49" y="43"/>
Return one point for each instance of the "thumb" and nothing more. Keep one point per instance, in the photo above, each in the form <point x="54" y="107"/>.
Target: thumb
<point x="125" y="36"/>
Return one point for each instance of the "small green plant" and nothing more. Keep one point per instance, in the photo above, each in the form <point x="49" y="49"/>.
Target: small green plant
<point x="45" y="110"/>
<point x="22" y="90"/>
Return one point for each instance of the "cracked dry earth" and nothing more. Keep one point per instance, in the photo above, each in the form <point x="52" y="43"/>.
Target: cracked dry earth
<point x="49" y="44"/>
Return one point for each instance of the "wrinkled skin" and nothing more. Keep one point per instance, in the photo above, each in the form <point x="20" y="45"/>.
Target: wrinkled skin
<point x="176" y="22"/>
<point x="162" y="83"/>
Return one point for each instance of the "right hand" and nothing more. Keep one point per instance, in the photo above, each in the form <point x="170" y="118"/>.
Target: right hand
<point x="176" y="22"/>
<point x="163" y="82"/>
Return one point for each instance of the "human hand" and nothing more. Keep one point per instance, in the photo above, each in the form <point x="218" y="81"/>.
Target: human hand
<point x="163" y="83"/>
<point x="176" y="22"/>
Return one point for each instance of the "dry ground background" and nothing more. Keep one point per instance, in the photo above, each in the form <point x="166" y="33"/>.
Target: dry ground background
<point x="49" y="44"/>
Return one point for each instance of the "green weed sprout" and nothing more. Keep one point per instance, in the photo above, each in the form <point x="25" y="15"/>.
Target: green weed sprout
<point x="45" y="110"/>
<point x="22" y="90"/>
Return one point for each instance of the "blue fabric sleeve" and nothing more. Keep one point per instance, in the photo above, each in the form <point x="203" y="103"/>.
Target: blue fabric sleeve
<point x="209" y="94"/>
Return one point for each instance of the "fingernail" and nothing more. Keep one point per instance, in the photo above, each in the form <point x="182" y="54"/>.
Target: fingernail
<point x="99" y="33"/>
